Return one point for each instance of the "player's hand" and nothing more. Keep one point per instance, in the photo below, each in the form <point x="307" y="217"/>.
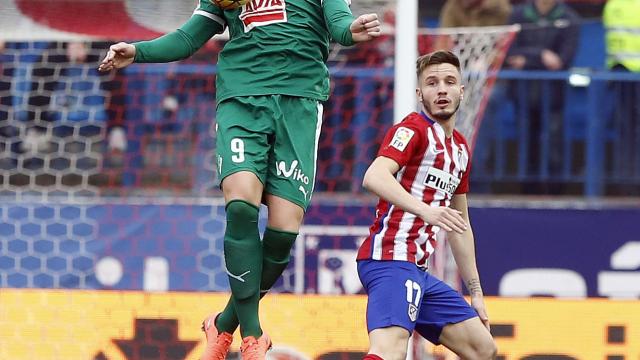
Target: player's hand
<point x="444" y="217"/>
<point x="118" y="56"/>
<point x="478" y="303"/>
<point x="365" y="28"/>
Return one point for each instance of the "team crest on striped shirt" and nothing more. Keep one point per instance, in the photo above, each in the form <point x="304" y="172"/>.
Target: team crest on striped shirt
<point x="263" y="12"/>
<point x="401" y="138"/>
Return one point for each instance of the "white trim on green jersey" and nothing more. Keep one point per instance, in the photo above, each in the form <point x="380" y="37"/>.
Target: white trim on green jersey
<point x="346" y="1"/>
<point x="211" y="16"/>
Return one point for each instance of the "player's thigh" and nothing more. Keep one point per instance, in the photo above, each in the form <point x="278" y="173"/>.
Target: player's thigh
<point x="389" y="343"/>
<point x="243" y="133"/>
<point x="284" y="215"/>
<point x="442" y="305"/>
<point x="292" y="163"/>
<point x="394" y="293"/>
<point x="469" y="339"/>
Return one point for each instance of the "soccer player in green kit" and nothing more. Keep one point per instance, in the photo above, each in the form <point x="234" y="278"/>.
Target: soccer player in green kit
<point x="271" y="80"/>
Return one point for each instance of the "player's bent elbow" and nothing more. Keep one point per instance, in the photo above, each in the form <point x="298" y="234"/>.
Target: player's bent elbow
<point x="365" y="183"/>
<point x="368" y="179"/>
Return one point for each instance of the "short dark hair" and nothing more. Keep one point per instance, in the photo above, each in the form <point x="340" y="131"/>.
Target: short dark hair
<point x="435" y="58"/>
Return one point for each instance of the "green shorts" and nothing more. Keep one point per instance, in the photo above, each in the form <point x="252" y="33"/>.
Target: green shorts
<point x="274" y="137"/>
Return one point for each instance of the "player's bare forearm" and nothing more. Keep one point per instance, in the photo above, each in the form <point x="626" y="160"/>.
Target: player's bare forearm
<point x="463" y="249"/>
<point x="380" y="180"/>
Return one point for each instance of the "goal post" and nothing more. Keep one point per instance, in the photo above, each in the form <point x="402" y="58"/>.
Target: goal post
<point x="406" y="51"/>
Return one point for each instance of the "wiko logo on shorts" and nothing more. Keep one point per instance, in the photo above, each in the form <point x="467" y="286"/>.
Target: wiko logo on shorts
<point x="440" y="180"/>
<point x="291" y="172"/>
<point x="263" y="12"/>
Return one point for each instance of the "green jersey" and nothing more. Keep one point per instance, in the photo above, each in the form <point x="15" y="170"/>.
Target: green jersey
<point x="275" y="46"/>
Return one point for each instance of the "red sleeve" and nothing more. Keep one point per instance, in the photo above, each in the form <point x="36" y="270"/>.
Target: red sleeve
<point x="400" y="143"/>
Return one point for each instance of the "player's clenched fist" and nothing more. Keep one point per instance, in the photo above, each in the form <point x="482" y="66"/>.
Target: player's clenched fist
<point x="365" y="28"/>
<point x="118" y="56"/>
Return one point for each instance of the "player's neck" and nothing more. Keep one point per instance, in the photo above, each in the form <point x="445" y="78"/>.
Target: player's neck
<point x="447" y="125"/>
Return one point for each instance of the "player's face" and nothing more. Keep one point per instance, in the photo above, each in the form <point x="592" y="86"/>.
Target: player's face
<point x="440" y="91"/>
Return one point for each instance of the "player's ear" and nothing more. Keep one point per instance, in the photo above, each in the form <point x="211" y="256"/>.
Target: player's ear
<point x="419" y="94"/>
<point x="461" y="92"/>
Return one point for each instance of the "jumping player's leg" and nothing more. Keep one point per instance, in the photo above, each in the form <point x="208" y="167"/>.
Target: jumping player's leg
<point x="290" y="179"/>
<point x="446" y="318"/>
<point x="243" y="148"/>
<point x="289" y="183"/>
<point x="242" y="247"/>
<point x="278" y="239"/>
<point x="283" y="225"/>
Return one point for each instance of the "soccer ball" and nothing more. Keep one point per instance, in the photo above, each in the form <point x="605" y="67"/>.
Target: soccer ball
<point x="229" y="4"/>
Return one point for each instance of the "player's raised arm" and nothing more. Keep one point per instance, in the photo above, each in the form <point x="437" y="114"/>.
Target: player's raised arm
<point x="380" y="180"/>
<point x="177" y="45"/>
<point x="345" y="28"/>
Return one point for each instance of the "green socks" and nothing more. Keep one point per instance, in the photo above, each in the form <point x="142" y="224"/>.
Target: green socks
<point x="243" y="258"/>
<point x="276" y="247"/>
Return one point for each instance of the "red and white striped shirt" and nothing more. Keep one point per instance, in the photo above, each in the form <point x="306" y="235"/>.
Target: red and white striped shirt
<point x="432" y="168"/>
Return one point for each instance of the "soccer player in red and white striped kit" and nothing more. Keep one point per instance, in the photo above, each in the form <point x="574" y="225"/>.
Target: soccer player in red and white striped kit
<point x="421" y="175"/>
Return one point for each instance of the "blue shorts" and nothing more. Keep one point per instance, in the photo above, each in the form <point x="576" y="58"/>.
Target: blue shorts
<point x="401" y="294"/>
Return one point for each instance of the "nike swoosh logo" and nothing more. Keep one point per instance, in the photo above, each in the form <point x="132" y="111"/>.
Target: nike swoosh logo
<point x="438" y="151"/>
<point x="238" y="277"/>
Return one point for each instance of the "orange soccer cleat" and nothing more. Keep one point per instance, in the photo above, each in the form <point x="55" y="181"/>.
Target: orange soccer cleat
<point x="218" y="344"/>
<point x="255" y="349"/>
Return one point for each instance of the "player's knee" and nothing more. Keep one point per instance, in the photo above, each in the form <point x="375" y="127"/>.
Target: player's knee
<point x="277" y="245"/>
<point x="242" y="222"/>
<point x="486" y="350"/>
<point x="241" y="211"/>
